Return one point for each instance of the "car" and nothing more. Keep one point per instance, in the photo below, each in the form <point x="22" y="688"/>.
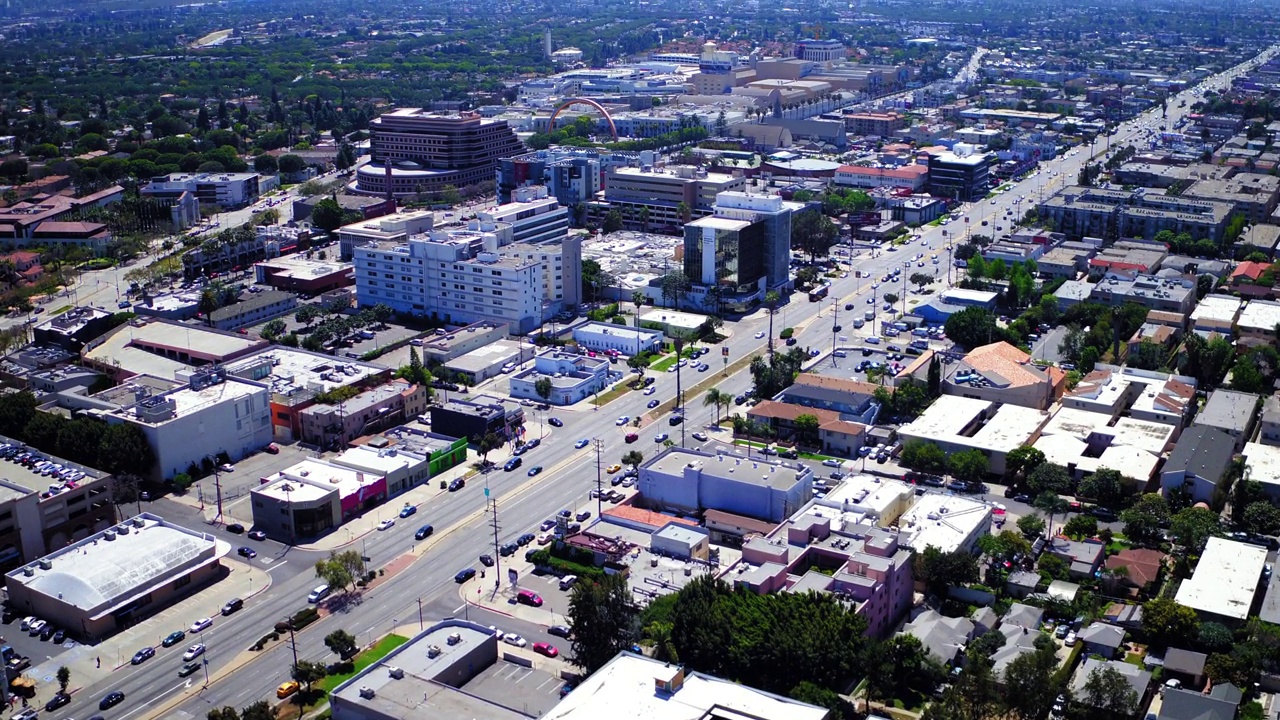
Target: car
<point x="555" y="422"/>
<point x="272" y="449"/>
<point x="247" y="552"/>
<point x="562" y="631"/>
<point x="189" y="669"/>
<point x="529" y="597"/>
<point x="613" y="468"/>
<point x="534" y="470"/>
<point x="227" y="467"/>
<point x="546" y="649"/>
<point x="546" y="537"/>
<point x="581" y="444"/>
<point x="653" y="404"/>
<point x="58" y="700"/>
<point x="36" y="626"/>
<point x="193" y="652"/>
<point x="201" y="624"/>
<point x="235" y="528"/>
<point x="1071" y="639"/>
<point x="814" y="353"/>
<point x="508" y="549"/>
<point x="525" y="539"/>
<point x="257" y="535"/>
<point x="675" y="420"/>
<point x="59" y="635"/>
<point x="1062" y="631"/>
<point x="232" y="605"/>
<point x="622" y="421"/>
<point x="631" y="437"/>
<point x="30" y="713"/>
<point x="408" y="510"/>
<point x="287" y="688"/>
<point x="143" y="655"/>
<point x="47" y="631"/>
<point x="173" y="638"/>
<point x="457" y="484"/>
<point x="386" y="524"/>
<point x="1022" y="498"/>
<point x="424" y="532"/>
<point x="739" y="399"/>
<point x="700" y="436"/>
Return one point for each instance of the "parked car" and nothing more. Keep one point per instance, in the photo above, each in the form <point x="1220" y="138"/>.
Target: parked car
<point x="173" y="638"/>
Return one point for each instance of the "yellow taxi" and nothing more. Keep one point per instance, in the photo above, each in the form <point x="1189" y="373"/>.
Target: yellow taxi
<point x="613" y="469"/>
<point x="286" y="689"/>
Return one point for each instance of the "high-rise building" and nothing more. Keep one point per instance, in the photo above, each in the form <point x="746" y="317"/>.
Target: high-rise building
<point x="966" y="178"/>
<point x="774" y="214"/>
<point x="427" y="151"/>
<point x="660" y="197"/>
<point x="744" y="249"/>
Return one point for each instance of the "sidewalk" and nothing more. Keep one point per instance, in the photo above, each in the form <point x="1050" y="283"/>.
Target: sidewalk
<point x="90" y="664"/>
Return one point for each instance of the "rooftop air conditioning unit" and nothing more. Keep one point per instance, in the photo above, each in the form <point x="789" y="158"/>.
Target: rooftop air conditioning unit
<point x="396" y="673"/>
<point x="45" y="564"/>
<point x="109" y="535"/>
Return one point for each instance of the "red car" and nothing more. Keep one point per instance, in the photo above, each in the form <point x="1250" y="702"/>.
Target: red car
<point x="545" y="649"/>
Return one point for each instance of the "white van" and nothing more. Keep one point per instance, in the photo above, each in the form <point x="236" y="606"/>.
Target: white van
<point x="321" y="592"/>
<point x="567" y="581"/>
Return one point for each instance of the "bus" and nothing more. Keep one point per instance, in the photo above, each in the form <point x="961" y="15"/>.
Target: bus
<point x="820" y="292"/>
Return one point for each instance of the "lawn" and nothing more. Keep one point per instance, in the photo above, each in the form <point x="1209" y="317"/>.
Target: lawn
<point x="380" y="650"/>
<point x="663" y="364"/>
<point x="608" y="397"/>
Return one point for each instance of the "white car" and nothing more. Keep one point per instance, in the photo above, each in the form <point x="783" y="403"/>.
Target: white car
<point x="514" y="639"/>
<point x="650" y="390"/>
<point x="386" y="524"/>
<point x="201" y="624"/>
<point x="760" y="335"/>
<point x="227" y="467"/>
<point x="193" y="652"/>
<point x="497" y="633"/>
<point x="622" y="421"/>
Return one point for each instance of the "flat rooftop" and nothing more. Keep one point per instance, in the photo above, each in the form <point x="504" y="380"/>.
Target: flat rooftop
<point x="384" y="461"/>
<point x="139" y="347"/>
<point x="294" y="370"/>
<point x="485" y="356"/>
<point x="1263" y="462"/>
<point x="290" y="490"/>
<point x="753" y="471"/>
<point x="943" y="521"/>
<point x="1225" y="580"/>
<point x="298" y="267"/>
<point x="1261" y="315"/>
<point x="626" y="686"/>
<point x="674" y="318"/>
<point x="320" y="474"/>
<point x="188" y="401"/>
<point x="98" y="571"/>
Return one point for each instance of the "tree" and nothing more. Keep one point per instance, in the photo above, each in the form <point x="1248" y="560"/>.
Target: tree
<point x="1191" y="528"/>
<point x="290" y="164"/>
<point x="543" y="387"/>
<point x="891" y="298"/>
<point x="973" y="327"/>
<point x="1031" y="525"/>
<point x="1004" y="545"/>
<point x="333" y="573"/>
<point x="308" y="314"/>
<point x="1143" y="520"/>
<point x="923" y="455"/>
<point x="1262" y="518"/>
<point x="972" y="696"/>
<point x="603" y="617"/>
<point x="1081" y="526"/>
<point x="806" y="426"/>
<point x="487" y="444"/>
<point x="273" y="329"/>
<point x="612" y="222"/>
<point x="1206" y="360"/>
<point x="935" y="377"/>
<point x="307" y="672"/>
<point x="259" y="710"/>
<point x="1106" y="487"/>
<point x="939" y="570"/>
<point x="920" y="279"/>
<point x="341" y="642"/>
<point x="632" y="457"/>
<point x="1049" y="477"/>
<point x="124" y="450"/>
<point x="899" y="666"/>
<point x="64" y="678"/>
<point x="224" y="713"/>
<point x="1169" y="624"/>
<point x="327" y="215"/>
<point x="968" y="465"/>
<point x="1108" y="691"/>
<point x="1050" y="504"/>
<point x="266" y="164"/>
<point x="1028" y="682"/>
<point x="638" y="299"/>
<point x="717" y="397"/>
<point x="1022" y="460"/>
<point x="813" y="233"/>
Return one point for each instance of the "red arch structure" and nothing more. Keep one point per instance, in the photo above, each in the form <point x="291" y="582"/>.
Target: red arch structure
<point x="551" y="124"/>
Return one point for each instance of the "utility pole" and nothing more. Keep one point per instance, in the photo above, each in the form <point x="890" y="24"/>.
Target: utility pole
<point x="599" y="478"/>
<point x="835" y="322"/>
<point x="217" y="486"/>
<point x="497" y="556"/>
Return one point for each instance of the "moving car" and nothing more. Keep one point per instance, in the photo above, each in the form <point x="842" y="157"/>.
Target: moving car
<point x="700" y="436"/>
<point x="205" y="623"/>
<point x="111" y="699"/>
<point x="760" y="335"/>
<point x="233" y="605"/>
<point x="581" y="444"/>
<point x="173" y="638"/>
<point x="613" y="468"/>
<point x="622" y="421"/>
<point x="188" y="669"/>
<point x="486" y="560"/>
<point x="247" y="552"/>
<point x="386" y="524"/>
<point x="512" y="464"/>
<point x="555" y="422"/>
<point x="408" y="510"/>
<point x="193" y="652"/>
<point x="660" y="437"/>
<point x="424" y="532"/>
<point x="457" y="484"/>
<point x="257" y="535"/>
<point x="461" y="577"/>
<point x="653" y="404"/>
<point x="143" y="655"/>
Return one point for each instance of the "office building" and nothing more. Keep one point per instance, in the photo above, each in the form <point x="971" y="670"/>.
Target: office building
<point x="728" y="255"/>
<point x="312" y="498"/>
<point x="690" y="480"/>
<point x="534" y="215"/>
<point x="74" y="328"/>
<point x="419" y="151"/>
<point x="476" y="418"/>
<point x="882" y="124"/>
<point x="296" y="273"/>
<point x="187" y="422"/>
<point x="772" y="213"/>
<point x="818" y="50"/>
<point x="573" y="175"/>
<point x="223" y="190"/>
<point x="573" y="378"/>
<point x="117" y="577"/>
<point x="145" y="346"/>
<point x="656" y="198"/>
<point x="860" y="176"/>
<point x="393" y="228"/>
<point x="607" y="336"/>
<point x="963" y="177"/>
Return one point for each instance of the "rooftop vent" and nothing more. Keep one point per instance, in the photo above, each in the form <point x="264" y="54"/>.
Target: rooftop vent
<point x="44" y="563"/>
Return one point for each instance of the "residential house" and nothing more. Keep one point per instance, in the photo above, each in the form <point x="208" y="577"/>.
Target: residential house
<point x="943" y="637"/>
<point x="1198" y="461"/>
<point x="1253" y="279"/>
<point x="1021" y="583"/>
<point x="1269" y="427"/>
<point x="1024" y="616"/>
<point x="1099" y="638"/>
<point x="1142" y="566"/>
<point x="1139" y="680"/>
<point x="1002" y="373"/>
<point x="1182" y="704"/>
<point x="1084" y="556"/>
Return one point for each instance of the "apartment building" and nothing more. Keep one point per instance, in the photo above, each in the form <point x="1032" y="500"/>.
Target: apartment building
<point x="413" y="150"/>
<point x="394" y="228"/>
<point x="456" y="276"/>
<point x="1252" y="194"/>
<point x="1080" y="211"/>
<point x="883" y="124"/>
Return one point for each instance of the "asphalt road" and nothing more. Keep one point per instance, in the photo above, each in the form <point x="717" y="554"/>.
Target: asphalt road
<point x="462" y="526"/>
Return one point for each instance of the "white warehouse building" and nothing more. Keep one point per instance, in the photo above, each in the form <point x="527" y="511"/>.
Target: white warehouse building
<point x="626" y="340"/>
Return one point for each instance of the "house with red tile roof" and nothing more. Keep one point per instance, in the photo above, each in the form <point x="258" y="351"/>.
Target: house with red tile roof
<point x="1002" y="373"/>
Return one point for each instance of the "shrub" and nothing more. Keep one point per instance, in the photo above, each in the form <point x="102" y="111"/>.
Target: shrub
<point x="786" y="333"/>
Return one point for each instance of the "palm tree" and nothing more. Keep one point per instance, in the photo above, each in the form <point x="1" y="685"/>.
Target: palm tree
<point x="1052" y="504"/>
<point x="717" y="397"/>
<point x="638" y="298"/>
<point x="771" y="301"/>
